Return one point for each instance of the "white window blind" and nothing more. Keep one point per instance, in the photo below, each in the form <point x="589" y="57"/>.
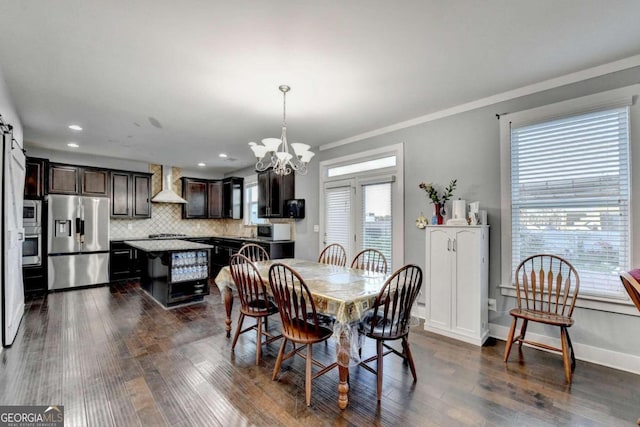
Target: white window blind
<point x="376" y="221"/>
<point x="570" y="196"/>
<point x="338" y="217"/>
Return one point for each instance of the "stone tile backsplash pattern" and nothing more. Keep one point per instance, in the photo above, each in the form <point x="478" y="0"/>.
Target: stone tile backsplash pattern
<point x="167" y="217"/>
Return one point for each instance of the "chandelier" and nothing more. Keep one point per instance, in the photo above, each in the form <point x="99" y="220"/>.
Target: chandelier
<point x="278" y="154"/>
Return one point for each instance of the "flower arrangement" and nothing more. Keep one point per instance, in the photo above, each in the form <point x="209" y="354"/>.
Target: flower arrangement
<point x="433" y="193"/>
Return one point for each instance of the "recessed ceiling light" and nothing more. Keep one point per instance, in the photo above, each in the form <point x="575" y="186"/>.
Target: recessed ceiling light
<point x="73" y="145"/>
<point x="224" y="156"/>
<point x="75" y="127"/>
<point x="201" y="164"/>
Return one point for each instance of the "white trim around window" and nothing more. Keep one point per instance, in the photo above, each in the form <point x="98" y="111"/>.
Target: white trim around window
<point x="607" y="100"/>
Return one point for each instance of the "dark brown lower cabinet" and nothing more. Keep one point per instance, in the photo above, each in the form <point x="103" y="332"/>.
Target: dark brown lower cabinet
<point x="124" y="262"/>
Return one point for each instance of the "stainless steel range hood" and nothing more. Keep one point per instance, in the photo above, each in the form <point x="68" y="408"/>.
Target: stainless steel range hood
<point x="167" y="195"/>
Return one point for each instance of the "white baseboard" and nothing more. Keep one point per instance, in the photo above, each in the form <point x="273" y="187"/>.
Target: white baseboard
<point x="587" y="353"/>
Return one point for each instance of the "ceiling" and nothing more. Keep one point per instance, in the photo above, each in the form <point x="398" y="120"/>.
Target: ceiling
<point x="180" y="82"/>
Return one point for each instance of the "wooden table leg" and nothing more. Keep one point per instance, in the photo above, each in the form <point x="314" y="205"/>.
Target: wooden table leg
<point x="343" y="352"/>
<point x="343" y="387"/>
<point x="228" y="304"/>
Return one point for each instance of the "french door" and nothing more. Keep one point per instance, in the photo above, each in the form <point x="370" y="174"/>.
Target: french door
<point x="358" y="214"/>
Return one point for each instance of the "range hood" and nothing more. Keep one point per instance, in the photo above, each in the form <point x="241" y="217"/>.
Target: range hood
<point x="167" y="195"/>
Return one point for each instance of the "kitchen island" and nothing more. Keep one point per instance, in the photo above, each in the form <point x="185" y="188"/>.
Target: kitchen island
<point x="174" y="272"/>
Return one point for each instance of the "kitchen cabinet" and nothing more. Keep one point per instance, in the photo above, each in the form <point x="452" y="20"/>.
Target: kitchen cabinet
<point x="35" y="280"/>
<point x="34" y="186"/>
<point x="273" y="191"/>
<point x="232" y="197"/>
<point x="194" y="191"/>
<point x="78" y="180"/>
<point x="224" y="248"/>
<point x="212" y="198"/>
<point x="456" y="280"/>
<point x="130" y="195"/>
<point x="214" y="201"/>
<point x="63" y="179"/>
<point x="124" y="262"/>
<point x="174" y="271"/>
<point x="94" y="182"/>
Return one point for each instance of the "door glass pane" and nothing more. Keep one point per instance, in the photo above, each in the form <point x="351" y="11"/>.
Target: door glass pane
<point x="338" y="217"/>
<point x="376" y="219"/>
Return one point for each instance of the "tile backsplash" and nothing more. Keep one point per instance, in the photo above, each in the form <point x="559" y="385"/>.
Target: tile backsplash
<point x="167" y="218"/>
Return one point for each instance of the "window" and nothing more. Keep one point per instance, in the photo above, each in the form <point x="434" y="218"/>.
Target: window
<point x="569" y="193"/>
<point x="376" y="219"/>
<point x="251" y="203"/>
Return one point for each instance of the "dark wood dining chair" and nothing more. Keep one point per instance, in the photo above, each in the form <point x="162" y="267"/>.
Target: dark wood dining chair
<point x="546" y="289"/>
<point x="370" y="260"/>
<point x="254" y="252"/>
<point x="389" y="318"/>
<point x="299" y="322"/>
<point x="252" y="293"/>
<point x="333" y="254"/>
<point x="632" y="286"/>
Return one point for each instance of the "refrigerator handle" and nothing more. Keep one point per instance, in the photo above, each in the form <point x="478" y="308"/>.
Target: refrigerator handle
<point x="82" y="231"/>
<point x="78" y="227"/>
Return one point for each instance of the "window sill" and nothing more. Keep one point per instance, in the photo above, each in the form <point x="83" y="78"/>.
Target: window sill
<point x="591" y="303"/>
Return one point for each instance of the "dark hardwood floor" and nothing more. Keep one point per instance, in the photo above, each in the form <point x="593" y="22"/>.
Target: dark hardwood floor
<point x="113" y="357"/>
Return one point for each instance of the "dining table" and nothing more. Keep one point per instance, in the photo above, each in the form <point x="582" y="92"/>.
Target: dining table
<point x="341" y="292"/>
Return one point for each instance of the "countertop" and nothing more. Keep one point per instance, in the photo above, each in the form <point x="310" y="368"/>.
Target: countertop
<point x="165" y="245"/>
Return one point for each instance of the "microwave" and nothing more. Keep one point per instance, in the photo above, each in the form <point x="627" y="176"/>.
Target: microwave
<point x="31" y="213"/>
<point x="274" y="231"/>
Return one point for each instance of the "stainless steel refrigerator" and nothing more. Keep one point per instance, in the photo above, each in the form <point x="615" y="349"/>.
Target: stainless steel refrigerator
<point x="78" y="241"/>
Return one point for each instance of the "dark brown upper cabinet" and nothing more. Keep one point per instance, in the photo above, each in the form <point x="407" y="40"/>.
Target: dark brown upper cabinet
<point x="85" y="181"/>
<point x="194" y="191"/>
<point x="215" y="199"/>
<point x="232" y="197"/>
<point x="212" y="198"/>
<point x="63" y="179"/>
<point x="94" y="182"/>
<point x="130" y="194"/>
<point x="34" y="182"/>
<point x="273" y="191"/>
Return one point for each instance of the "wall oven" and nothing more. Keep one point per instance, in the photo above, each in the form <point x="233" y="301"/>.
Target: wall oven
<point x="32" y="223"/>
<point x="32" y="247"/>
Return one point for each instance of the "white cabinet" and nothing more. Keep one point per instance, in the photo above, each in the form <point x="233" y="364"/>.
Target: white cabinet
<point x="456" y="282"/>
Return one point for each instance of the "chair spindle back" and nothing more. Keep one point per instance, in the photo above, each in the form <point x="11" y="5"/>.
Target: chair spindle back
<point x="254" y="252"/>
<point x="370" y="260"/>
<point x="333" y="254"/>
<point x="547" y="283"/>
<point x="252" y="290"/>
<point x="395" y="301"/>
<point x="294" y="301"/>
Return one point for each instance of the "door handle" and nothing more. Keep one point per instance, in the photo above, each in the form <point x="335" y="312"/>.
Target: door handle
<point x="455" y="244"/>
<point x="449" y="245"/>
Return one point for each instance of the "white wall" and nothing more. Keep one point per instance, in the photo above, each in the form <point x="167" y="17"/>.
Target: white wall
<point x="466" y="146"/>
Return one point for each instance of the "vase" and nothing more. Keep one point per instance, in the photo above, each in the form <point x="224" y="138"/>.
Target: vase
<point x="437" y="213"/>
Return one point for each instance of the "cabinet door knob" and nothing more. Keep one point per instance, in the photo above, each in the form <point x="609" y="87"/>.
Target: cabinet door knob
<point x="449" y="244"/>
<point x="455" y="244"/>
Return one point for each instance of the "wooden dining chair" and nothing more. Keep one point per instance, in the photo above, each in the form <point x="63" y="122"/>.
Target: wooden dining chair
<point x="252" y="293"/>
<point x="389" y="318"/>
<point x="546" y="289"/>
<point x="254" y="252"/>
<point x="370" y="260"/>
<point x="299" y="322"/>
<point x="632" y="286"/>
<point x="333" y="254"/>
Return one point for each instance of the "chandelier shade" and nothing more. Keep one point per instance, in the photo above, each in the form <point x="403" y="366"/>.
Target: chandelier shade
<point x="278" y="154"/>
